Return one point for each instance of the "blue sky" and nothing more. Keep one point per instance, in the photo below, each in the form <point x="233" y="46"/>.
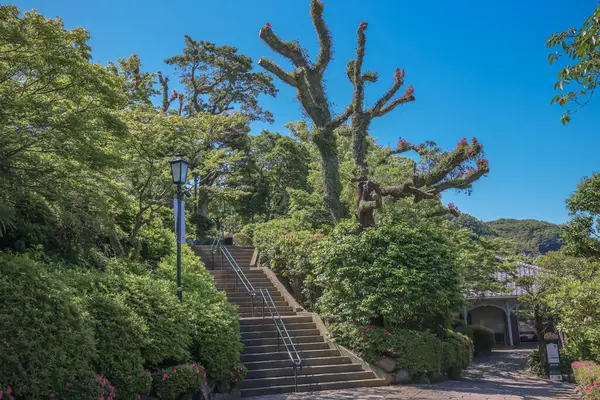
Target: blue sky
<point x="479" y="68"/>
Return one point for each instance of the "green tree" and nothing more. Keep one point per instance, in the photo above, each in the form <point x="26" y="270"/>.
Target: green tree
<point x="218" y="80"/>
<point x="59" y="116"/>
<point x="577" y="81"/>
<point x="582" y="233"/>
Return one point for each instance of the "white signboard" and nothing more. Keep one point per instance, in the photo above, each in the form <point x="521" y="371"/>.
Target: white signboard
<point x="181" y="238"/>
<point x="552" y="351"/>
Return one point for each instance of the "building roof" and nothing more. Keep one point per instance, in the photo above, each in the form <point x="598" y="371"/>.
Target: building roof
<point x="512" y="290"/>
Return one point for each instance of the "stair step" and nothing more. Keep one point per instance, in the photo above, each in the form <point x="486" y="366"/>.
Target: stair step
<point x="257" y="303"/>
<point x="258" y="307"/>
<point x="282" y="355"/>
<point x="231" y="287"/>
<point x="306" y="379"/>
<point x="267" y="321"/>
<point x="315" y="370"/>
<point x="273" y="333"/>
<point x="273" y="348"/>
<point x="268" y="327"/>
<point x="308" y="362"/>
<point x="256" y="282"/>
<point x="258" y="314"/>
<point x="244" y="295"/>
<point x="312" y="387"/>
<point x="273" y="341"/>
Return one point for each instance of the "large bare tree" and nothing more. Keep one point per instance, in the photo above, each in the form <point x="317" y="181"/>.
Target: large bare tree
<point x="307" y="78"/>
<point x="441" y="171"/>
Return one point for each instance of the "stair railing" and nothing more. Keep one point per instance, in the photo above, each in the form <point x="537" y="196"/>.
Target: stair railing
<point x="267" y="300"/>
<point x="282" y="333"/>
<point x="217" y="246"/>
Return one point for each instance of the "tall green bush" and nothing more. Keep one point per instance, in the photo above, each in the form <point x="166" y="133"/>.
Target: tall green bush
<point x="214" y="323"/>
<point x="286" y="246"/>
<point x="46" y="343"/>
<point x="483" y="338"/>
<point x="119" y="336"/>
<point x="408" y="277"/>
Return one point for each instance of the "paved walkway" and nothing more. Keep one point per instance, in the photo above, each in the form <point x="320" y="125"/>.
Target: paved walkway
<point x="495" y="377"/>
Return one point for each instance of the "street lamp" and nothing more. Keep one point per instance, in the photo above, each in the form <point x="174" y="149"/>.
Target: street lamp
<point x="179" y="169"/>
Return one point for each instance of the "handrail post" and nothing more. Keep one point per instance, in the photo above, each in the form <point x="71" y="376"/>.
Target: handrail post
<point x="252" y="303"/>
<point x="295" y="378"/>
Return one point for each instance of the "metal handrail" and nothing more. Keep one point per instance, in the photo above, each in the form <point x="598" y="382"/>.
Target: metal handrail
<point x="282" y="332"/>
<point x="267" y="300"/>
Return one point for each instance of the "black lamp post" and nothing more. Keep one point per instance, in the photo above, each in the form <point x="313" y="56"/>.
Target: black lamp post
<point x="179" y="169"/>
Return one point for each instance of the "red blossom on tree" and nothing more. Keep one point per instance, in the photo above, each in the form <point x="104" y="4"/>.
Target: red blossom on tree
<point x="398" y="75"/>
<point x="483" y="164"/>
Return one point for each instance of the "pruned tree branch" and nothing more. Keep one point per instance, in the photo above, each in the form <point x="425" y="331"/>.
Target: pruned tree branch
<point x="290" y="50"/>
<point x="325" y="47"/>
<point x="276" y="70"/>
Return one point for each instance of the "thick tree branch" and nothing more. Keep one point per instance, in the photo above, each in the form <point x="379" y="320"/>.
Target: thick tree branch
<point x="164" y="82"/>
<point x="277" y="71"/>
<point x="460" y="182"/>
<point x="358" y="97"/>
<point x="340" y="119"/>
<point x="325" y="51"/>
<point x="290" y="50"/>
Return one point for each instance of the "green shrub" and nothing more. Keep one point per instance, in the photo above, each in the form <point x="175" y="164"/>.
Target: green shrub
<point x="167" y="331"/>
<point x="241" y="239"/>
<point x="45" y="343"/>
<point x="286" y="249"/>
<point x="457" y="352"/>
<point x="119" y="339"/>
<point x="239" y="373"/>
<point x="214" y="323"/>
<point x="407" y="276"/>
<point x="460" y="326"/>
<point x="418" y="352"/>
<point x="203" y="226"/>
<point x="175" y="382"/>
<point x="483" y="338"/>
<point x="587" y="376"/>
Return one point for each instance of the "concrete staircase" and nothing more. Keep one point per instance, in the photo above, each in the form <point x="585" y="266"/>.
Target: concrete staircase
<point x="269" y="366"/>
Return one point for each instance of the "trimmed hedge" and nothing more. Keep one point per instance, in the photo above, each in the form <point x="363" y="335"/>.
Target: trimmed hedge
<point x="483" y="338"/>
<point x="46" y="344"/>
<point x="80" y="334"/>
<point x="420" y="353"/>
<point x="587" y="376"/>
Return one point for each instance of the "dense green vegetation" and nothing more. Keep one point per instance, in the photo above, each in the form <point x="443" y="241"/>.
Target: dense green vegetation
<point x="356" y="230"/>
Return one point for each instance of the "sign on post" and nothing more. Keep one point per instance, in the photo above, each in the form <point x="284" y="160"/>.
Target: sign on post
<point x="553" y="356"/>
<point x="181" y="208"/>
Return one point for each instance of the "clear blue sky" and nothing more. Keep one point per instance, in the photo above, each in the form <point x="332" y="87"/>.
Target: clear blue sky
<point x="479" y="68"/>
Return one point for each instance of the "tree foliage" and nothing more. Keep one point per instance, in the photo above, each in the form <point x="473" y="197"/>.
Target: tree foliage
<point x="577" y="81"/>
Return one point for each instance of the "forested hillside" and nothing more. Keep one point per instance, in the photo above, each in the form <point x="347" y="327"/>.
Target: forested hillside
<point x="530" y="235"/>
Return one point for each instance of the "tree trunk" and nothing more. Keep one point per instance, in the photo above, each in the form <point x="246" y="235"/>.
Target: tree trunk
<point x="115" y="243"/>
<point x="332" y="188"/>
<point x="203" y="202"/>
<point x="539" y="333"/>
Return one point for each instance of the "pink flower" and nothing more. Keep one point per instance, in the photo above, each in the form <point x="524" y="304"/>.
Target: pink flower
<point x="165" y="377"/>
<point x="8" y="389"/>
<point x="1" y="393"/>
<point x="51" y="394"/>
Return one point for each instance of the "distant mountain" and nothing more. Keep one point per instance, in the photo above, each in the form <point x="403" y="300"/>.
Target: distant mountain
<point x="532" y="236"/>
